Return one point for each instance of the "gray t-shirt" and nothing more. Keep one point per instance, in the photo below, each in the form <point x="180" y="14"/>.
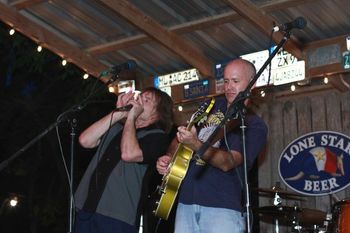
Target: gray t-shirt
<point x="121" y="193"/>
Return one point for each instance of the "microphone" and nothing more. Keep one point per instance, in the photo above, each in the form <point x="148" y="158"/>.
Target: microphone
<point x="129" y="65"/>
<point x="299" y="23"/>
<point x="123" y="108"/>
<point x="115" y="70"/>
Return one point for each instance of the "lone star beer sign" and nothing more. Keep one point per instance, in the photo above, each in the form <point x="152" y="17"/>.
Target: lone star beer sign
<point x="317" y="163"/>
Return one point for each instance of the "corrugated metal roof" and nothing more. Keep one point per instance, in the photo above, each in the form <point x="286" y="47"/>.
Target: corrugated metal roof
<point x="210" y="26"/>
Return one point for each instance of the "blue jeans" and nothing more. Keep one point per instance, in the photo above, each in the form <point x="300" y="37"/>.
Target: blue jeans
<point x="97" y="223"/>
<point x="201" y="219"/>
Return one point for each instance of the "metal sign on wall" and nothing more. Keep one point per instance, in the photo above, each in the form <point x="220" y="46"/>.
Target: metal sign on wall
<point x="317" y="163"/>
<point x="176" y="78"/>
<point x="126" y="86"/>
<point x="196" y="89"/>
<point x="285" y="68"/>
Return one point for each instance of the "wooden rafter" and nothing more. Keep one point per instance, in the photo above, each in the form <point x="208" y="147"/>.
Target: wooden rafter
<point x="189" y="27"/>
<point x="167" y="38"/>
<point x="263" y="22"/>
<point x="23" y="4"/>
<point x="179" y="29"/>
<point x="339" y="82"/>
<point x="50" y="41"/>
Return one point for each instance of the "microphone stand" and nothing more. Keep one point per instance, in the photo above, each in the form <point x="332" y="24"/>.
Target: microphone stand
<point x="235" y="110"/>
<point x="5" y="163"/>
<point x="73" y="123"/>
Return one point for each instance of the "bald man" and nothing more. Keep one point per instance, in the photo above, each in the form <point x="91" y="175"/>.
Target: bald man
<point x="210" y="197"/>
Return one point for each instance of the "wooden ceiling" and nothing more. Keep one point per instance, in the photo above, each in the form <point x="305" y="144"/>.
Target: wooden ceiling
<point x="165" y="36"/>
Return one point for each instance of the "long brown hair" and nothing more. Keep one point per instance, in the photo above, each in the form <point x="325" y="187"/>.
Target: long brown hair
<point x="164" y="108"/>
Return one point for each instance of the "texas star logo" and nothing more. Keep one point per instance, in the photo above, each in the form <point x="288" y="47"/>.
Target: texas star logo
<point x="317" y="163"/>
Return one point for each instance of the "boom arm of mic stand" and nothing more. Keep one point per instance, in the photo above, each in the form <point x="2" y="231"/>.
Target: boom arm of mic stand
<point x="272" y="55"/>
<point x="25" y="147"/>
<point x="38" y="137"/>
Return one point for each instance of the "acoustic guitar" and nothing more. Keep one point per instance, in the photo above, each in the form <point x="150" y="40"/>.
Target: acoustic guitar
<point x="178" y="167"/>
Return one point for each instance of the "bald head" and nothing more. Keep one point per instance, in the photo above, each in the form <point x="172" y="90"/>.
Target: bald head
<point x="237" y="75"/>
<point x="245" y="66"/>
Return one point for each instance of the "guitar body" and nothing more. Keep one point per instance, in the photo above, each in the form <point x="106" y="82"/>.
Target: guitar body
<point x="177" y="168"/>
<point x="172" y="180"/>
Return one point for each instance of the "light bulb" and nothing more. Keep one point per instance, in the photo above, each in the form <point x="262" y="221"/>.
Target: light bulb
<point x="12" y="31"/>
<point x="262" y="93"/>
<point x="111" y="89"/>
<point x="39" y="48"/>
<point x="64" y="62"/>
<point x="292" y="87"/>
<point x="180" y="108"/>
<point x="325" y="80"/>
<point x="13" y="202"/>
<point x="86" y="76"/>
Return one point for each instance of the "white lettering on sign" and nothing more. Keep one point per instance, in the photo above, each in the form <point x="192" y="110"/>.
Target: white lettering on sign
<point x="285" y="68"/>
<point x="320" y="185"/>
<point x="300" y="146"/>
<point x="176" y="78"/>
<point x="283" y="59"/>
<point x="334" y="141"/>
<point x="288" y="74"/>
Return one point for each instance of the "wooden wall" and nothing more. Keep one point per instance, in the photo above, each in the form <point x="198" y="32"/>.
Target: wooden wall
<point x="287" y="119"/>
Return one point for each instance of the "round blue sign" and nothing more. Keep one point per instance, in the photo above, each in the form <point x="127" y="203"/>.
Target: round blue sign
<point x="317" y="163"/>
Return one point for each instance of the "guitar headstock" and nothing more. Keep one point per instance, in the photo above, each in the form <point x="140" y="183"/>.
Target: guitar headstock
<point x="201" y="114"/>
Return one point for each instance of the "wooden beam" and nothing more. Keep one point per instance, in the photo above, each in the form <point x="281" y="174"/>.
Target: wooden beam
<point x="118" y="44"/>
<point x="320" y="43"/>
<point x="23" y="4"/>
<point x="338" y="82"/>
<point x="167" y="38"/>
<point x="191" y="26"/>
<point x="181" y="28"/>
<point x="50" y="41"/>
<point x="303" y="91"/>
<point x="330" y="68"/>
<point x="264" y="23"/>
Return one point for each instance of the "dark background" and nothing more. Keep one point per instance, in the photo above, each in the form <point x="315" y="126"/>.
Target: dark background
<point x="34" y="90"/>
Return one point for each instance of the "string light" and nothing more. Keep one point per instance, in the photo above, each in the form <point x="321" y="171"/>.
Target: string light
<point x="39" y="48"/>
<point x="292" y="87"/>
<point x="262" y="93"/>
<point x="13" y="202"/>
<point x="12" y="31"/>
<point x="111" y="89"/>
<point x="180" y="108"/>
<point x="325" y="80"/>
